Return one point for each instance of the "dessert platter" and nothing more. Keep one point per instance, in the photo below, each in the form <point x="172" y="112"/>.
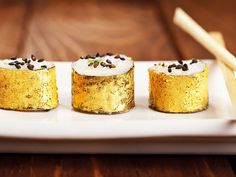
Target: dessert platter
<point x="108" y="103"/>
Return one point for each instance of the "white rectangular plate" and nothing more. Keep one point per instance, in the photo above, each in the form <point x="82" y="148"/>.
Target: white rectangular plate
<point x="210" y="131"/>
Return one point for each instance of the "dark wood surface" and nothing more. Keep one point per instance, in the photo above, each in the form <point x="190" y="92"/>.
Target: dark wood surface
<point x="15" y="165"/>
<point x="65" y="30"/>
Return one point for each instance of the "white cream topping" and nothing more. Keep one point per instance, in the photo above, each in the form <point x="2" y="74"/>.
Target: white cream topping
<point x="37" y="64"/>
<point x="193" y="68"/>
<point x="119" y="65"/>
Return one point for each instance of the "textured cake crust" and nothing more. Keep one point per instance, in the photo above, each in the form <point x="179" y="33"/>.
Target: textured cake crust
<point x="103" y="94"/>
<point x="178" y="94"/>
<point x="27" y="90"/>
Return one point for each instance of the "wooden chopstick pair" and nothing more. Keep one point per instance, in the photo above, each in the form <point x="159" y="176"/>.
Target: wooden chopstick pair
<point x="214" y="43"/>
<point x="228" y="73"/>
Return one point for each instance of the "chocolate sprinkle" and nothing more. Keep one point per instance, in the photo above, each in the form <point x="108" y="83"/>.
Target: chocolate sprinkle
<point x="180" y="62"/>
<point x="90" y="64"/>
<point x="193" y="61"/>
<point x="109" y="54"/>
<point x="13" y="58"/>
<point x="25" y="60"/>
<point x="30" y="67"/>
<point x="40" y="60"/>
<point x="179" y="67"/>
<point x="112" y="66"/>
<point x="17" y="66"/>
<point x="97" y="55"/>
<point x="87" y="57"/>
<point x="43" y="66"/>
<point x="103" y="64"/>
<point x="108" y="61"/>
<point x="172" y="66"/>
<point x="33" y="57"/>
<point x="185" y="67"/>
<point x="16" y="62"/>
<point x="96" y="63"/>
<point x="169" y="70"/>
<point x="12" y="63"/>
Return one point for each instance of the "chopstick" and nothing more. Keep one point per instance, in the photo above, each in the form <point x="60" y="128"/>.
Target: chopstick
<point x="229" y="77"/>
<point x="214" y="42"/>
<point x="186" y="23"/>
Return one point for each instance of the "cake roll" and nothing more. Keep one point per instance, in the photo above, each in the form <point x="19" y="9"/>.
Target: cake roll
<point x="178" y="87"/>
<point x="27" y="84"/>
<point x="103" y="84"/>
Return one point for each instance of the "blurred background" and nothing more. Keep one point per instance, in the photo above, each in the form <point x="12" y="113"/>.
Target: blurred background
<point x="143" y="29"/>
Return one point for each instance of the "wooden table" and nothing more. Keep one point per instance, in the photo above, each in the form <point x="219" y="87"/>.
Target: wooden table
<point x="65" y="30"/>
